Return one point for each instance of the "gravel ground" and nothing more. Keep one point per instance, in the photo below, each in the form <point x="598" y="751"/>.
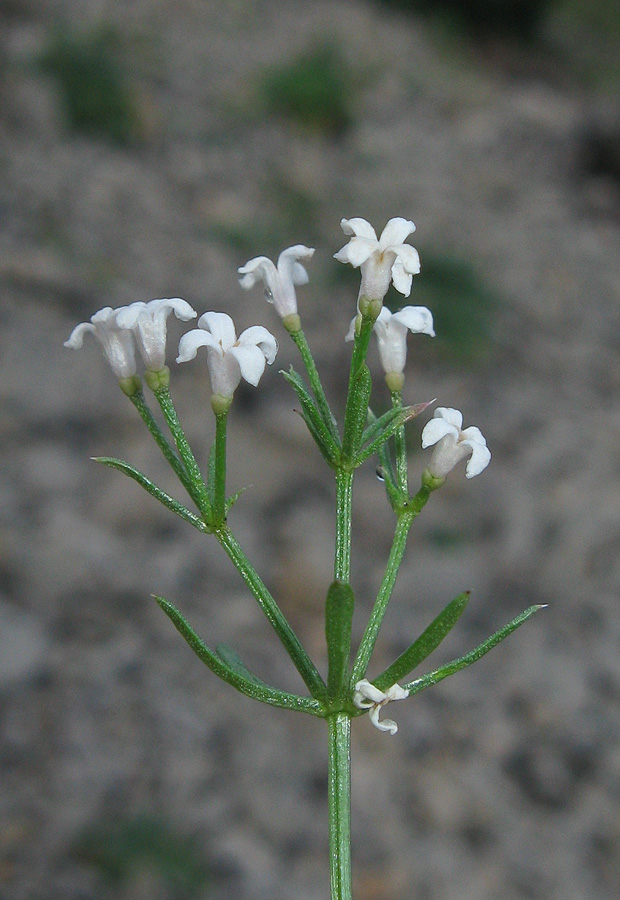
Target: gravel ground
<point x="501" y="782"/>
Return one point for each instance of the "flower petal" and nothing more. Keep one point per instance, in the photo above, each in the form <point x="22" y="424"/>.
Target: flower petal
<point x="251" y="362"/>
<point x="479" y="459"/>
<point x="75" y="341"/>
<point x="365" y="693"/>
<point x="359" y="227"/>
<point x="289" y="266"/>
<point x="221" y="327"/>
<point x="255" y="270"/>
<point x="408" y="257"/>
<point x="190" y="342"/>
<point x="396" y="232"/>
<point x="435" y="430"/>
<point x="418" y="319"/>
<point x="357" y="251"/>
<point x="451" y="415"/>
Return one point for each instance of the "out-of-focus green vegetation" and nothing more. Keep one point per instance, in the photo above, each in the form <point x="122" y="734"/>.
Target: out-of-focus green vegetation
<point x="587" y="33"/>
<point x="582" y="35"/>
<point x="292" y="216"/>
<point x="145" y="850"/>
<point x="313" y="90"/>
<point x="509" y="18"/>
<point x="462" y="305"/>
<point x="93" y="86"/>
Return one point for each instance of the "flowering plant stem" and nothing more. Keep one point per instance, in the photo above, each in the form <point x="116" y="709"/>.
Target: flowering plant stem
<point x="403" y="524"/>
<point x="346" y="693"/>
<point x="199" y="492"/>
<point x="301" y="343"/>
<point x="400" y="446"/>
<point x="339" y="805"/>
<point x="274" y="614"/>
<point x="219" y="489"/>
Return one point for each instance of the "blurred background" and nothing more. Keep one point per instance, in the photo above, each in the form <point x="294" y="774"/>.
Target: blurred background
<point x="149" y="148"/>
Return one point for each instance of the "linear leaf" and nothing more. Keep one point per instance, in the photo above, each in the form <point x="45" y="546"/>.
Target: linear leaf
<point x="312" y="417"/>
<point x="153" y="490"/>
<point x="252" y="688"/>
<point x="231" y="658"/>
<point x="423" y="646"/>
<point x="473" y="656"/>
<point x="357" y="411"/>
<point x="382" y="429"/>
<point x="338" y="618"/>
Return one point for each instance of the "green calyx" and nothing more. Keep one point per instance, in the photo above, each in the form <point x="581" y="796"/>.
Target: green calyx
<point x="220" y="404"/>
<point x="130" y="386"/>
<point x="430" y="481"/>
<point x="395" y="381"/>
<point x="158" y="380"/>
<point x="292" y="323"/>
<point x="370" y="307"/>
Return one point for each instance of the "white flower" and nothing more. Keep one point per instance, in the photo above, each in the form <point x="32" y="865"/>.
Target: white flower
<point x="391" y="330"/>
<point x="148" y="323"/>
<point x="367" y="696"/>
<point x="117" y="343"/>
<point x="229" y="358"/>
<point x="383" y="260"/>
<point x="454" y="443"/>
<point x="279" y="282"/>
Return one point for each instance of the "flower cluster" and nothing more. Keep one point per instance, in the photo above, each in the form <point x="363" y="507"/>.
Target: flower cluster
<point x="229" y="358"/>
<point x="384" y="260"/>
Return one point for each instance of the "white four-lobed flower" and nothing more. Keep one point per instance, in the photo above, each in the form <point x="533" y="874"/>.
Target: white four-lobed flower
<point x="117" y="342"/>
<point x="279" y="280"/>
<point x="391" y="330"/>
<point x="230" y="358"/>
<point x="454" y="443"/>
<point x="367" y="696"/>
<point x="382" y="259"/>
<point x="148" y="323"/>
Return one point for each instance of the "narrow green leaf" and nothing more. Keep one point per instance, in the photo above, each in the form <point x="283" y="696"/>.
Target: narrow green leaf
<point x="233" y="499"/>
<point x="378" y="424"/>
<point x="153" y="490"/>
<point x="357" y="411"/>
<point x="231" y="658"/>
<point x="382" y="429"/>
<point x="315" y="383"/>
<point x="252" y="687"/>
<point x="457" y="664"/>
<point x="338" y="618"/>
<point x="312" y="417"/>
<point x="423" y="646"/>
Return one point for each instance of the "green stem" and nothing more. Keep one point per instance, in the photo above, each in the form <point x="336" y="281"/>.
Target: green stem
<point x="272" y="611"/>
<point x="199" y="488"/>
<point x="315" y="382"/>
<point x="344" y="498"/>
<point x="219" y="490"/>
<point x="369" y="638"/>
<point x="400" y="446"/>
<point x="360" y="349"/>
<point x="151" y="423"/>
<point x="339" y="794"/>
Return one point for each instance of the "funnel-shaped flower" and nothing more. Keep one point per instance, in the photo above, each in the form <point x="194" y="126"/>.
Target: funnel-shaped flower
<point x="230" y="358"/>
<point x="454" y="443"/>
<point x="279" y="281"/>
<point x="116" y="342"/>
<point x="367" y="696"/>
<point x="381" y="260"/>
<point x="148" y="322"/>
<point x="391" y="330"/>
